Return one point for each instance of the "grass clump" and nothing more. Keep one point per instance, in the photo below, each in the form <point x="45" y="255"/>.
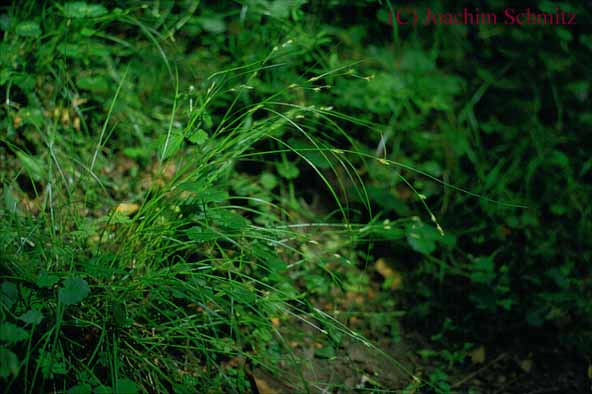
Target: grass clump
<point x="268" y="194"/>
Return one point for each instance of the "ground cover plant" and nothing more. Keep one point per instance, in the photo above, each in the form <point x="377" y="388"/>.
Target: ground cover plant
<point x="292" y="196"/>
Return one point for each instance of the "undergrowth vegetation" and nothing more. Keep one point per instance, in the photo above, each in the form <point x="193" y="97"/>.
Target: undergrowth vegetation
<point x="194" y="196"/>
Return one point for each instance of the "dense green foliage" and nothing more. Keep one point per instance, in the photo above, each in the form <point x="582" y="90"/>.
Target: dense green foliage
<point x="179" y="177"/>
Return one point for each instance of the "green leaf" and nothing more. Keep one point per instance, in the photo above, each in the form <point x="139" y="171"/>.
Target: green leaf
<point x="268" y="180"/>
<point x="171" y="143"/>
<point x="51" y="364"/>
<point x="75" y="290"/>
<point x="229" y="219"/>
<point x="212" y="24"/>
<point x="28" y="29"/>
<point x="81" y="389"/>
<point x="32" y="316"/>
<point x="96" y="84"/>
<point x="204" y="193"/>
<point x="198" y="234"/>
<point x="288" y="170"/>
<point x="207" y="118"/>
<point x="484" y="270"/>
<point x="325" y="352"/>
<point x="5" y="22"/>
<point x="102" y="390"/>
<point x="422" y="238"/>
<point x="9" y="363"/>
<point x="33" y="165"/>
<point x="11" y="333"/>
<point x="32" y="116"/>
<point x="71" y="50"/>
<point x="198" y="137"/>
<point x="80" y="9"/>
<point x="8" y="294"/>
<point x="126" y="386"/>
<point x="45" y="280"/>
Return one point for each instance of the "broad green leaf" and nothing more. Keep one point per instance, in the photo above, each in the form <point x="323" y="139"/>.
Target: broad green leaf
<point x="83" y="388"/>
<point x="80" y="9"/>
<point x="5" y="22"/>
<point x="32" y="316"/>
<point x="102" y="390"/>
<point x="70" y="50"/>
<point x="325" y="352"/>
<point x="28" y="29"/>
<point x="212" y="24"/>
<point x="45" y="280"/>
<point x="198" y="234"/>
<point x="198" y="137"/>
<point x="10" y="201"/>
<point x="9" y="363"/>
<point x="75" y="290"/>
<point x="171" y="143"/>
<point x="204" y="194"/>
<point x="97" y="84"/>
<point x="32" y="116"/>
<point x="11" y="333"/>
<point x="483" y="270"/>
<point x="422" y="238"/>
<point x="33" y="165"/>
<point x="288" y="170"/>
<point x="126" y="386"/>
<point x="268" y="180"/>
<point x="229" y="219"/>
<point x="8" y="294"/>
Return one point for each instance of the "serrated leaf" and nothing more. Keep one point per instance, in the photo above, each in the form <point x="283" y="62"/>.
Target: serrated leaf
<point x="75" y="290"/>
<point x="9" y="363"/>
<point x="28" y="29"/>
<point x="11" y="333"/>
<point x="198" y="137"/>
<point x="80" y="9"/>
<point x="51" y="364"/>
<point x="32" y="316"/>
<point x="229" y="219"/>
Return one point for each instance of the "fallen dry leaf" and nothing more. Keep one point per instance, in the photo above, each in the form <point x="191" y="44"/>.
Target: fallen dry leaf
<point x="127" y="208"/>
<point x="478" y="355"/>
<point x="16" y="123"/>
<point x="76" y="123"/>
<point x="77" y="101"/>
<point x="263" y="387"/>
<point x="526" y="365"/>
<point x="389" y="274"/>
